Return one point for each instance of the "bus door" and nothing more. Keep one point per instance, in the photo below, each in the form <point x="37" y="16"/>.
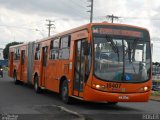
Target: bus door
<point x="79" y="69"/>
<point x="11" y="64"/>
<point x="44" y="64"/>
<point x="22" y="71"/>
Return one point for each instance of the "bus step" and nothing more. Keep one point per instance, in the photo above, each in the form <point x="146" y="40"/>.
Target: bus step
<point x="79" y="98"/>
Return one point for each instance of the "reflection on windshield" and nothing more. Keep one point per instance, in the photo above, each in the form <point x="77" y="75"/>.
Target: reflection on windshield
<point x="122" y="59"/>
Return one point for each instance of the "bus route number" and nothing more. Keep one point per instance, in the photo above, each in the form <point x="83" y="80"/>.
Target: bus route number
<point x="113" y="85"/>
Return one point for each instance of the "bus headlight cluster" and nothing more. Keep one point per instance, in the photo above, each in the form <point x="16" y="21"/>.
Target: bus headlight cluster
<point x="99" y="87"/>
<point x="144" y="89"/>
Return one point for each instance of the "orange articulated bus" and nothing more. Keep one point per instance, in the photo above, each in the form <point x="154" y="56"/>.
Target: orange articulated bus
<point x="100" y="62"/>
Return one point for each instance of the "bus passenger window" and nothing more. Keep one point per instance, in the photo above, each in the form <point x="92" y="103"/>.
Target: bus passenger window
<point x="17" y="54"/>
<point x="37" y="52"/>
<point x="65" y="48"/>
<point x="54" y="49"/>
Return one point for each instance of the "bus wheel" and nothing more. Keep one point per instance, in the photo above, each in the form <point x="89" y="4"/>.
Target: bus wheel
<point x="65" y="92"/>
<point x="15" y="78"/>
<point x="36" y="85"/>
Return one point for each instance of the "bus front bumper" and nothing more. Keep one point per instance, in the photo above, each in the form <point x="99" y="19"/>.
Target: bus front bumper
<point x="94" y="95"/>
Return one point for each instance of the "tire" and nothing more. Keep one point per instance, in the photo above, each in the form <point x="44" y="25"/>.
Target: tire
<point x="65" y="92"/>
<point x="37" y="89"/>
<point x="16" y="82"/>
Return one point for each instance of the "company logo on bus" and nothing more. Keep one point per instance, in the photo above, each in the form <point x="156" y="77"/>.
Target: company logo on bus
<point x="118" y="32"/>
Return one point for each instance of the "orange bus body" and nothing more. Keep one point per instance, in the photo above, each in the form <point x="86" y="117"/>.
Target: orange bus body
<point x="62" y="57"/>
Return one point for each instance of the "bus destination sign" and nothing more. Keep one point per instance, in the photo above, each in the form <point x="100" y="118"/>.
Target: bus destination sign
<point x="120" y="32"/>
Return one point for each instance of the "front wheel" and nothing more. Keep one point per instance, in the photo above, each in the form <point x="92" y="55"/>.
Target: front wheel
<point x="65" y="92"/>
<point x="37" y="89"/>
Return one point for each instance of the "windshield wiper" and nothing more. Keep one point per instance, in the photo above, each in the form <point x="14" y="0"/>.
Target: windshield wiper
<point x="113" y="45"/>
<point x="134" y="48"/>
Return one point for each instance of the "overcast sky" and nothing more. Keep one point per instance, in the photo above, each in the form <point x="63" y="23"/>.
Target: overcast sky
<point x="25" y="20"/>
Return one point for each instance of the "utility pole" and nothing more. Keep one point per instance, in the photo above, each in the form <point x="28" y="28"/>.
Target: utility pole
<point x="112" y="17"/>
<point x="50" y="26"/>
<point x="91" y="11"/>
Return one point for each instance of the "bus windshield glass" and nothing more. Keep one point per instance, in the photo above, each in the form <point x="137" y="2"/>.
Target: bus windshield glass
<point x="122" y="58"/>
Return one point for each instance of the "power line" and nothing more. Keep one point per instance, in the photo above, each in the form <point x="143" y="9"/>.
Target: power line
<point x="83" y="1"/>
<point x="17" y="27"/>
<point x="81" y="6"/>
<point x="81" y="12"/>
<point x="122" y="17"/>
<point x="141" y="18"/>
<point x="75" y="10"/>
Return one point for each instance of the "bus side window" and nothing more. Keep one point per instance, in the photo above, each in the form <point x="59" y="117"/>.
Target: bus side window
<point x="64" y="51"/>
<point x="37" y="52"/>
<point x="16" y="54"/>
<point x="54" y="49"/>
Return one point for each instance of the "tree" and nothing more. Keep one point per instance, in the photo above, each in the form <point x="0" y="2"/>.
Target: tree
<point x="156" y="63"/>
<point x="6" y="49"/>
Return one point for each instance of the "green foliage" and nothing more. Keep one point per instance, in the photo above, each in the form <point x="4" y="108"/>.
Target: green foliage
<point x="155" y="93"/>
<point x="156" y="63"/>
<point x="6" y="49"/>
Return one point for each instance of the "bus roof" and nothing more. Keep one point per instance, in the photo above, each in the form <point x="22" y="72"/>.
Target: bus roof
<point x="86" y="26"/>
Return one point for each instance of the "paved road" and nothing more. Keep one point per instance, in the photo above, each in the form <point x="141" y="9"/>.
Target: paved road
<point x="21" y="99"/>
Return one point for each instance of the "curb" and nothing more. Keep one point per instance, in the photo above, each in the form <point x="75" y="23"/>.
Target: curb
<point x="155" y="100"/>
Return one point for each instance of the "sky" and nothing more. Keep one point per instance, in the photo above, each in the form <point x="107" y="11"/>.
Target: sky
<point x="25" y="20"/>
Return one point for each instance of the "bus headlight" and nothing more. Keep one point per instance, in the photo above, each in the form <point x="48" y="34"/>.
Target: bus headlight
<point x="144" y="89"/>
<point x="99" y="87"/>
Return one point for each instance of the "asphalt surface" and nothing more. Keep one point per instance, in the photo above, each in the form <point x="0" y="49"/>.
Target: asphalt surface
<point x="21" y="100"/>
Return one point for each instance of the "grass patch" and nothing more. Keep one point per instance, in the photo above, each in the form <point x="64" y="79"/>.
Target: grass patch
<point x="155" y="93"/>
<point x="5" y="68"/>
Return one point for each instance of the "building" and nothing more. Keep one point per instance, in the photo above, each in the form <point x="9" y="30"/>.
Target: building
<point x="1" y="54"/>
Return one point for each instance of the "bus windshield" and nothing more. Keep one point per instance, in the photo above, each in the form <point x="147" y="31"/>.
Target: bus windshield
<point x="121" y="59"/>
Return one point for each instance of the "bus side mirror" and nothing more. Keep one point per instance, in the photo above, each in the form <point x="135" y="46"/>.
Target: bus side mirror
<point x="85" y="47"/>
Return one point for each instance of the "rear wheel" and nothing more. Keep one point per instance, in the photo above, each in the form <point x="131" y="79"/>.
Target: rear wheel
<point x="65" y="92"/>
<point x="36" y="85"/>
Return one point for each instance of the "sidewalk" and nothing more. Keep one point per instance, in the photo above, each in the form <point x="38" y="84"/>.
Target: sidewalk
<point x="155" y="95"/>
<point x="156" y="98"/>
